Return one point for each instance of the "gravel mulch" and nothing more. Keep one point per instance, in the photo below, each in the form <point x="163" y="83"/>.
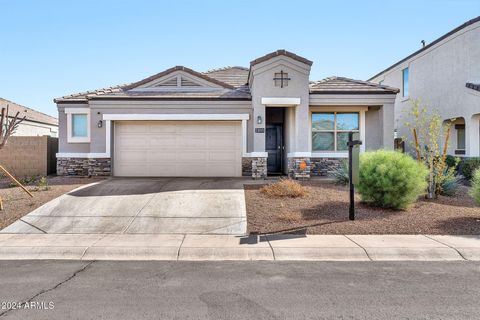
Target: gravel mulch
<point x="18" y="203"/>
<point x="325" y="211"/>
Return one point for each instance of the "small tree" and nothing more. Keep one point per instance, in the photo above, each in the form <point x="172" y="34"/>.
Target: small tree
<point x="427" y="131"/>
<point x="7" y="128"/>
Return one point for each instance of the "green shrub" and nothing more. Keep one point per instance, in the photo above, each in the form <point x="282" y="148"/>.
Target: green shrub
<point x="451" y="161"/>
<point x="341" y="173"/>
<point x="391" y="179"/>
<point x="475" y="191"/>
<point x="468" y="166"/>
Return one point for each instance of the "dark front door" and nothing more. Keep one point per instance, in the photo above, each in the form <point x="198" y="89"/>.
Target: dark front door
<point x="274" y="147"/>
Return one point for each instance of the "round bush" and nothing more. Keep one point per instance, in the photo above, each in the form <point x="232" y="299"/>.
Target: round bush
<point x="390" y="179"/>
<point x="475" y="191"/>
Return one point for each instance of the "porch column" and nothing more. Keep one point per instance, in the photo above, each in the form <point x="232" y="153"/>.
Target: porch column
<point x="472" y="136"/>
<point x="387" y="116"/>
<point x="302" y="129"/>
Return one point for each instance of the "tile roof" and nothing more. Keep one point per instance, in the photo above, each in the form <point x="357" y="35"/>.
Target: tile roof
<point x="466" y="24"/>
<point x="474" y="86"/>
<point x="342" y="85"/>
<point x="29" y="113"/>
<point x="235" y="76"/>
<point x="231" y="88"/>
<point x="281" y="52"/>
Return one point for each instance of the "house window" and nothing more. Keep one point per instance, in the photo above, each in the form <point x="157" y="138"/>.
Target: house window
<point x="460" y="138"/>
<point x="330" y="130"/>
<point x="281" y="79"/>
<point x="405" y="82"/>
<point x="78" y="125"/>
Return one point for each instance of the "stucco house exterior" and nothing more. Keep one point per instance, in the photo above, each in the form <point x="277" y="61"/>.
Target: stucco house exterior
<point x="444" y="75"/>
<point x="35" y="124"/>
<point x="267" y="119"/>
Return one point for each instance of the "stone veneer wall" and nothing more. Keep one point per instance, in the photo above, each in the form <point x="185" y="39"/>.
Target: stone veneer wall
<point x="84" y="167"/>
<point x="247" y="167"/>
<point x="325" y="167"/>
<point x="259" y="168"/>
<point x="294" y="170"/>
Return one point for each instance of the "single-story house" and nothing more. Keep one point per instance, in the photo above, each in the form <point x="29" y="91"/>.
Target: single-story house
<point x="35" y="124"/>
<point x="268" y="119"/>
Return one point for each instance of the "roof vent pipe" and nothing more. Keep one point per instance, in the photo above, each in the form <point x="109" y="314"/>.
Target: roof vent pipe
<point x="423" y="43"/>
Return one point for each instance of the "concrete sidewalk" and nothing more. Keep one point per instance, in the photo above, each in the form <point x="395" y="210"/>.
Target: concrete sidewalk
<point x="227" y="247"/>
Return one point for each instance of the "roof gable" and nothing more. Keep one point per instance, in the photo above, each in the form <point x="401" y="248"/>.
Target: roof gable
<point x="184" y="76"/>
<point x="281" y="52"/>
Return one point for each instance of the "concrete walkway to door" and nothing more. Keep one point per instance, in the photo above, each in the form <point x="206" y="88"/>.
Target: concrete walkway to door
<point x="143" y="205"/>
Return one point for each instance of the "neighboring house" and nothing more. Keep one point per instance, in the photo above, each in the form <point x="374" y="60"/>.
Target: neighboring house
<point x="265" y="120"/>
<point x="445" y="75"/>
<point x="35" y="123"/>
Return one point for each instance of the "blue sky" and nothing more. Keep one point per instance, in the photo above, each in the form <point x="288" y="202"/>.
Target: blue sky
<point x="52" y="48"/>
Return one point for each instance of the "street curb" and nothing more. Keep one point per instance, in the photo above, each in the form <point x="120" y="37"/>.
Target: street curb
<point x="166" y="247"/>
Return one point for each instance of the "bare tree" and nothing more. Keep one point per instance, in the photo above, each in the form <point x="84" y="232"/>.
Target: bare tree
<point x="7" y="128"/>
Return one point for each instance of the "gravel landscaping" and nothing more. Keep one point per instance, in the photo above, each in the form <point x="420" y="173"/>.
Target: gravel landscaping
<point x="324" y="210"/>
<point x="18" y="203"/>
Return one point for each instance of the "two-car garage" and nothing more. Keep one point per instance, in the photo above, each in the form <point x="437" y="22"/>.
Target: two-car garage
<point x="177" y="148"/>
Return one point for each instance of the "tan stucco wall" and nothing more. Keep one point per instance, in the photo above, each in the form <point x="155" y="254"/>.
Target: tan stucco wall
<point x="28" y="156"/>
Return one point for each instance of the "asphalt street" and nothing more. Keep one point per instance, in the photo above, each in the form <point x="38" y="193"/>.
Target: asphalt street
<point x="239" y="290"/>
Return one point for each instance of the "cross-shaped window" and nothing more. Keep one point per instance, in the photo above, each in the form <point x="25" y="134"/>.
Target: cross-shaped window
<point x="281" y="79"/>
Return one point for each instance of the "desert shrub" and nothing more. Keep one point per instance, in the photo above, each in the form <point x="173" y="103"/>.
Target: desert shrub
<point x="391" y="179"/>
<point x="341" y="173"/>
<point x="42" y="184"/>
<point x="450" y="185"/>
<point x="468" y="167"/>
<point x="475" y="191"/>
<point x="285" y="188"/>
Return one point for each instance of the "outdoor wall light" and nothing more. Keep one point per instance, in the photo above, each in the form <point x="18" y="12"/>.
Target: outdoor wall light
<point x="100" y="123"/>
<point x="259" y="120"/>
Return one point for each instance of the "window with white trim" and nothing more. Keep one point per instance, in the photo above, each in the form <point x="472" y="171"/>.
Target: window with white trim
<point x="78" y="125"/>
<point x="330" y="130"/>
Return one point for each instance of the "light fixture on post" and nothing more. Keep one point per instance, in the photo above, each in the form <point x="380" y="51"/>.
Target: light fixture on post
<point x="259" y="120"/>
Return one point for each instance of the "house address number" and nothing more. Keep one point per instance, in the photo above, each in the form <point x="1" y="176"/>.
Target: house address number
<point x="259" y="130"/>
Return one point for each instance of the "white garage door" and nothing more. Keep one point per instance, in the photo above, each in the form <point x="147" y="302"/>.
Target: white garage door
<point x="178" y="148"/>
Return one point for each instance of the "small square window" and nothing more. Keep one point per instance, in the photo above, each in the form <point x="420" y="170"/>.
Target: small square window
<point x="79" y="125"/>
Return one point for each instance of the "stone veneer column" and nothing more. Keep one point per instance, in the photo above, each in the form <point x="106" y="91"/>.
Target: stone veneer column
<point x="84" y="167"/>
<point x="259" y="168"/>
<point x="295" y="169"/>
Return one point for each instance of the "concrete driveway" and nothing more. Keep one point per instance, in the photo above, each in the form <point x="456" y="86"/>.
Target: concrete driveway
<point x="143" y="205"/>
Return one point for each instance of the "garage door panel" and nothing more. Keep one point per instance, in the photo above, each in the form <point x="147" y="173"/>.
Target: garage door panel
<point x="190" y="141"/>
<point x="222" y="142"/>
<point x="127" y="156"/>
<point x="178" y="148"/>
<point x="192" y="156"/>
<point x="161" y="156"/>
<point x="161" y="141"/>
<point x="166" y="128"/>
<point x="216" y="156"/>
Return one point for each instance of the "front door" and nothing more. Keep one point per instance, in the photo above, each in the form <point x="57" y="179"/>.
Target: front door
<point x="274" y="147"/>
